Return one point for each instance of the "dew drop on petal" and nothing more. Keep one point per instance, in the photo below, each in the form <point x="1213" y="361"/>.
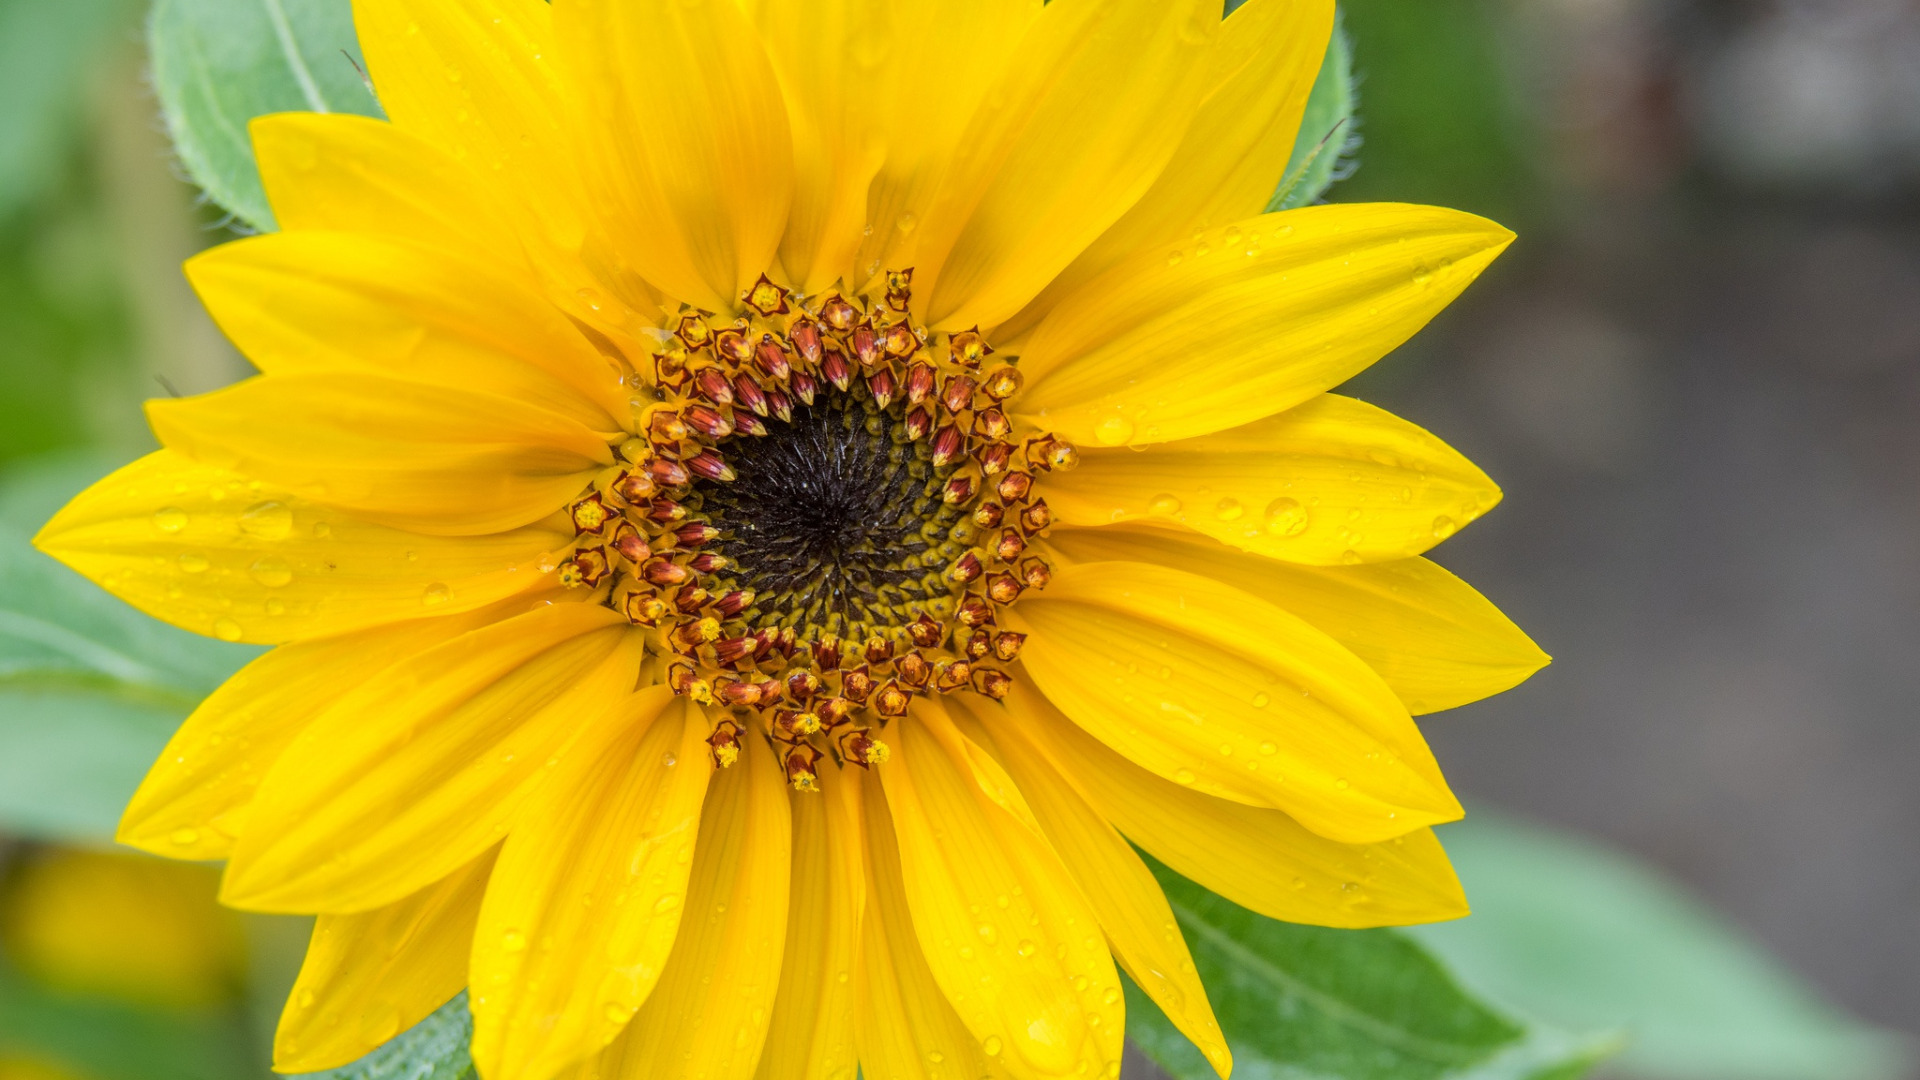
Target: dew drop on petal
<point x="170" y="519"/>
<point x="1269" y="748"/>
<point x="276" y="608"/>
<point x="1113" y="431"/>
<point x="193" y="564"/>
<point x="665" y="903"/>
<point x="185" y="837"/>
<point x="1111" y="996"/>
<point x="1164" y="505"/>
<point x="226" y="629"/>
<point x="1025" y="948"/>
<point x="513" y="941"/>
<point x="991" y="1046"/>
<point x="1342" y="783"/>
<point x="1185" y="776"/>
<point x="437" y="593"/>
<point x="1286" y="517"/>
<point x="267" y="520"/>
<point x="615" y="1014"/>
<point x="322" y="530"/>
<point x="1443" y="527"/>
<point x="1229" y="509"/>
<point x="271" y="571"/>
<point x="1260" y="700"/>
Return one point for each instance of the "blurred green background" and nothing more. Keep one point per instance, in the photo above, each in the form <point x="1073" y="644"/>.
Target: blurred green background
<point x="1696" y="375"/>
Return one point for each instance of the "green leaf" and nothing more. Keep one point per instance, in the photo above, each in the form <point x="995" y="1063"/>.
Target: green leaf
<point x="433" y="1049"/>
<point x="1587" y="938"/>
<point x="219" y="63"/>
<point x="1306" y="1001"/>
<point x="90" y="689"/>
<point x="109" y="1041"/>
<point x="1323" y="151"/>
<point x="47" y="52"/>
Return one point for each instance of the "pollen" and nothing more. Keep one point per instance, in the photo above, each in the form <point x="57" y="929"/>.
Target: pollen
<point x="818" y="512"/>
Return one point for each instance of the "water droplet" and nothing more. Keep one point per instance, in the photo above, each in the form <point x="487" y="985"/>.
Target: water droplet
<point x="936" y="1057"/>
<point x="306" y="999"/>
<point x="185" y="837"/>
<point x="665" y="903"/>
<point x="987" y="933"/>
<point x="669" y="760"/>
<point x="170" y="519"/>
<point x="906" y="223"/>
<point x="437" y="593"/>
<point x="1113" y="431"/>
<point x="1299" y="883"/>
<point x="276" y="608"/>
<point x="322" y="530"/>
<point x="1174" y="257"/>
<point x="1423" y="276"/>
<point x="1228" y="509"/>
<point x="991" y="1046"/>
<point x="193" y="564"/>
<point x="591" y="298"/>
<point x="1025" y="947"/>
<point x="226" y="629"/>
<point x="1260" y="700"/>
<point x="1350" y="557"/>
<point x="1164" y="505"/>
<point x="615" y="1014"/>
<point x="1185" y="776"/>
<point x="271" y="571"/>
<point x="267" y="520"/>
<point x="1342" y="783"/>
<point x="513" y="941"/>
<point x="1443" y="527"/>
<point x="1286" y="517"/>
<point x="1111" y="996"/>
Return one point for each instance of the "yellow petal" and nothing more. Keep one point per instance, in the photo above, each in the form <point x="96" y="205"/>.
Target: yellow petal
<point x="343" y="302"/>
<point x="1260" y="859"/>
<point x="587" y="897"/>
<point x="414" y="772"/>
<point x="1213" y="688"/>
<point x="370" y="976"/>
<point x="1261" y="69"/>
<point x="1006" y="932"/>
<point x="216" y="553"/>
<point x="689" y="158"/>
<point x="194" y="802"/>
<point x="947" y="55"/>
<point x="477" y="80"/>
<point x="708" y="1017"/>
<point x="1118" y="886"/>
<point x="1246" y="320"/>
<point x="906" y="1028"/>
<point x="434" y="459"/>
<point x="1079" y="126"/>
<point x="828" y="55"/>
<point x="811" y="1037"/>
<point x="1332" y="481"/>
<point x="1435" y="640"/>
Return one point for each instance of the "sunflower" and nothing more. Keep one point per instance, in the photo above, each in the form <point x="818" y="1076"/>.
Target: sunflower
<point x="761" y="505"/>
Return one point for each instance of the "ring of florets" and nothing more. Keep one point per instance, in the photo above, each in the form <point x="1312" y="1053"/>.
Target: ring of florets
<point x="819" y="513"/>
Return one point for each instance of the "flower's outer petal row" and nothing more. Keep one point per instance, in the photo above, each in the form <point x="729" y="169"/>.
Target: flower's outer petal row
<point x="194" y="801"/>
<point x="687" y="152"/>
<point x="708" y="1017"/>
<point x="433" y="459"/>
<point x="312" y="301"/>
<point x="1435" y="640"/>
<point x="906" y="1027"/>
<point x="1245" y="320"/>
<point x="1261" y="69"/>
<point x="1005" y="931"/>
<point x="588" y="895"/>
<point x="1083" y="120"/>
<point x="1131" y="908"/>
<point x="372" y="975"/>
<point x="477" y="80"/>
<point x="1260" y="859"/>
<point x="206" y="549"/>
<point x="829" y="57"/>
<point x="812" y="1032"/>
<point x="1208" y="686"/>
<point x="355" y="814"/>
<point x="947" y="54"/>
<point x="1329" y="482"/>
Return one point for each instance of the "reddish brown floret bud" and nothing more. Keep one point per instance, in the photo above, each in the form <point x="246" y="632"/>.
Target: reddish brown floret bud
<point x="913" y="669"/>
<point x="1010" y="544"/>
<point x="805" y="335"/>
<point x="878" y="650"/>
<point x="919" y="422"/>
<point x="826" y="653"/>
<point x="968" y="348"/>
<point x="630" y="544"/>
<point x="665" y="510"/>
<point x="866" y="345"/>
<point x="1014" y="487"/>
<point x="832" y="711"/>
<point x="995" y="457"/>
<point x="681" y="678"/>
<point x="919" y="382"/>
<point x="694" y="533"/>
<point x="667" y="472"/>
<point x="710" y="464"/>
<point x="707" y="562"/>
<point x="857" y="685"/>
<point x="747" y="392"/>
<point x="991" y="423"/>
<point x="836" y="369"/>
<point x="781" y="404"/>
<point x="803" y="768"/>
<point x="690" y="598"/>
<point x="802" y="686"/>
<point x="666" y="428"/>
<point x="974" y="611"/>
<point x="988" y="515"/>
<point x="707" y="421"/>
<point x="592" y="563"/>
<point x="892" y="699"/>
<point x="644" y="609"/>
<point x="771" y="357"/>
<point x="965" y="570"/>
<point x="1036" y="573"/>
<point x="992" y="682"/>
<point x="900" y="341"/>
<point x="733" y="603"/>
<point x="883" y="386"/>
<point x="712" y="385"/>
<point x="959" y="490"/>
<point x="1002" y="383"/>
<point x="792" y="725"/>
<point x="860" y="747"/>
<point x="804" y="386"/>
<point x="979" y="644"/>
<point x="926" y="631"/>
<point x="1036" y="517"/>
<point x="736" y="692"/>
<point x="948" y="444"/>
<point x="748" y="424"/>
<point x="787" y="642"/>
<point x="732" y="346"/>
<point x="951" y="675"/>
<point x="635" y="486"/>
<point x="1006" y="646"/>
<point x="1004" y="588"/>
<point x="725" y="742"/>
<point x="662" y="572"/>
<point x="957" y="394"/>
<point x="839" y="314"/>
